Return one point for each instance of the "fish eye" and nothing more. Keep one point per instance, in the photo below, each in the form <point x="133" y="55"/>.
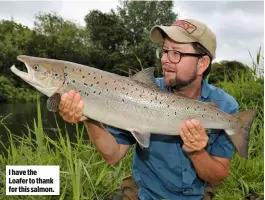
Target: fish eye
<point x="36" y="67"/>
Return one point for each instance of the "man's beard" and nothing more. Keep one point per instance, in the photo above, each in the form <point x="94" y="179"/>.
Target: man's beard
<point x="178" y="84"/>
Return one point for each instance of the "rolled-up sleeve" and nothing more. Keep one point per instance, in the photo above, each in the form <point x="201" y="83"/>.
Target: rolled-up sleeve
<point x="222" y="146"/>
<point x="121" y="136"/>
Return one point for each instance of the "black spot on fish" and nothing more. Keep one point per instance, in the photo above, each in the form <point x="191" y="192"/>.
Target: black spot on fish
<point x="198" y="106"/>
<point x="202" y="116"/>
<point x="156" y="98"/>
<point x="175" y="113"/>
<point x="115" y="88"/>
<point x="91" y="85"/>
<point x="80" y="70"/>
<point x="97" y="83"/>
<point x="73" y="70"/>
<point x="85" y="84"/>
<point x="107" y="90"/>
<point x="168" y="106"/>
<point x="83" y="76"/>
<point x="123" y="88"/>
<point x="160" y="102"/>
<point x="127" y="93"/>
<point x="95" y="77"/>
<point x="204" y="109"/>
<point x="136" y="89"/>
<point x="216" y="114"/>
<point x="94" y="92"/>
<point x="115" y="81"/>
<point x="88" y="73"/>
<point x="85" y="93"/>
<point x="73" y="81"/>
<point x="101" y="77"/>
<point x="141" y="95"/>
<point x="80" y="91"/>
<point x="65" y="67"/>
<point x="173" y="101"/>
<point x="65" y="74"/>
<point x="99" y="93"/>
<point x="188" y="108"/>
<point x="151" y="101"/>
<point x="106" y="83"/>
<point x="195" y="109"/>
<point x="123" y="100"/>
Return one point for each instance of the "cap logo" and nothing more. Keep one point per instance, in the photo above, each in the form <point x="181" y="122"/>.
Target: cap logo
<point x="187" y="26"/>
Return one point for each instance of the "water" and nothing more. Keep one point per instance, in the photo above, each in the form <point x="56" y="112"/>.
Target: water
<point x="21" y="114"/>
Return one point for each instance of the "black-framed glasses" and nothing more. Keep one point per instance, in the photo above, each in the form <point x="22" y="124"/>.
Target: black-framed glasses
<point x="173" y="55"/>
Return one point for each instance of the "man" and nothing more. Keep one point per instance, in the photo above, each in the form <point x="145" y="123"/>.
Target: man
<point x="178" y="167"/>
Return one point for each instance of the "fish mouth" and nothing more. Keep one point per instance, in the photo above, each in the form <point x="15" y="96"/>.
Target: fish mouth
<point x="30" y="77"/>
<point x="26" y="76"/>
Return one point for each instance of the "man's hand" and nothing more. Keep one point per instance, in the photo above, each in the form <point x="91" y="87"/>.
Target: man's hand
<point x="71" y="107"/>
<point x="194" y="136"/>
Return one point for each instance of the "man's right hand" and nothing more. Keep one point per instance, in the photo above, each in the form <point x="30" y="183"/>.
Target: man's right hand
<point x="71" y="107"/>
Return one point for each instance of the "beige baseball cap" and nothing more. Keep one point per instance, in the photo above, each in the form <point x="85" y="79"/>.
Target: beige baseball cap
<point x="186" y="31"/>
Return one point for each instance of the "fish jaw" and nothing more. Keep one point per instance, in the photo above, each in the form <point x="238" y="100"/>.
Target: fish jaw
<point x="30" y="79"/>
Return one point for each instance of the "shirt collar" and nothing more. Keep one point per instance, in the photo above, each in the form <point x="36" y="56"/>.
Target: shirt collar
<point x="206" y="89"/>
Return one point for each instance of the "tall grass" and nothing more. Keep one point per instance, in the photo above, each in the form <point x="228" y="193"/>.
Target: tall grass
<point x="84" y="174"/>
<point x="247" y="176"/>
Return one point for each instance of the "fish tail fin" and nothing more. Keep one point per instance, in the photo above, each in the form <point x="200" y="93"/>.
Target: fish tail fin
<point x="240" y="135"/>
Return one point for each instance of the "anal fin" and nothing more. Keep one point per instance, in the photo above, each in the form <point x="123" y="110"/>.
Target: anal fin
<point x="143" y="138"/>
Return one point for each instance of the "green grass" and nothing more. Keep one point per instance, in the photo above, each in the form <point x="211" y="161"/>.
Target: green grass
<point x="246" y="176"/>
<point x="84" y="174"/>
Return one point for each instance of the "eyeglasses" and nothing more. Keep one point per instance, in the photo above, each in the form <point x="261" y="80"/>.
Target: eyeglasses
<point x="173" y="55"/>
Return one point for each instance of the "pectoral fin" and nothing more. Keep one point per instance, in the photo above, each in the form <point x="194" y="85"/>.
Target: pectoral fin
<point x="53" y="102"/>
<point x="142" y="138"/>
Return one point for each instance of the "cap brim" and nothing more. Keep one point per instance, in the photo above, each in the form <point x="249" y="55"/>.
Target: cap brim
<point x="173" y="32"/>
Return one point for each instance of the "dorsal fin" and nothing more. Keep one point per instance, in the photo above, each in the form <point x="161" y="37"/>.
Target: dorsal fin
<point x="146" y="76"/>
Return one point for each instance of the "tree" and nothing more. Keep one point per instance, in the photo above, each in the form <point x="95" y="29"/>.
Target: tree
<point x="14" y="40"/>
<point x="122" y="39"/>
<point x="61" y="39"/>
<point x="227" y="70"/>
<point x="138" y="18"/>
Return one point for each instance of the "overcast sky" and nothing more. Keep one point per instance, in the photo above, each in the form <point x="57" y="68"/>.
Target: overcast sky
<point x="238" y="25"/>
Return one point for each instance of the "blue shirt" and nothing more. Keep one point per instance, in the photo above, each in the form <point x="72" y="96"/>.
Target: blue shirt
<point x="163" y="171"/>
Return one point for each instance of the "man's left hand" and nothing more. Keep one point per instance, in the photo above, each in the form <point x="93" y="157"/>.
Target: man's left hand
<point x="194" y="136"/>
